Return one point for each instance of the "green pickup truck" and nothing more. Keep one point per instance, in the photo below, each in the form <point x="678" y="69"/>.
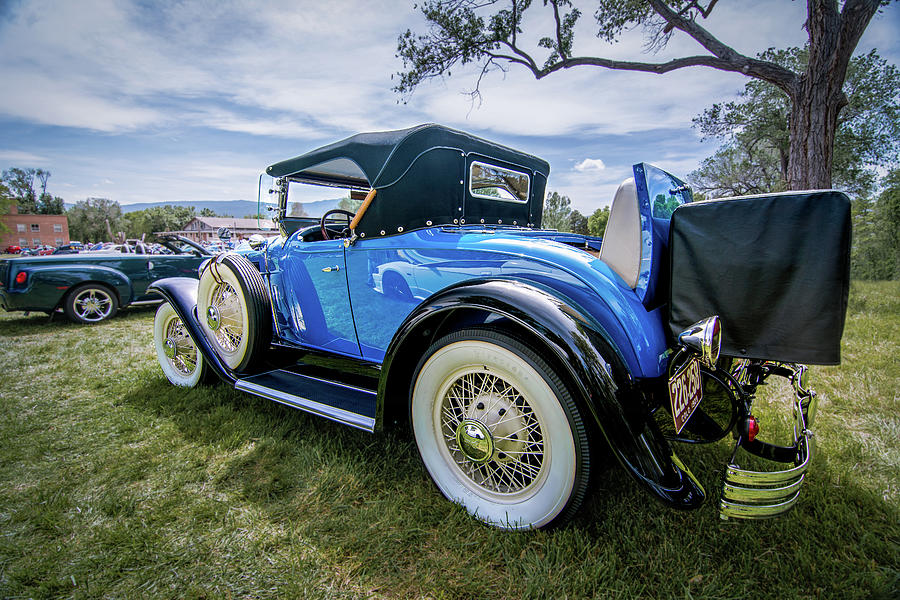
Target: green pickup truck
<point x="91" y="286"/>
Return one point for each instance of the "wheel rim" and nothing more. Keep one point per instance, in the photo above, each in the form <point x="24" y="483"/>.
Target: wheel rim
<point x="492" y="434"/>
<point x="93" y="304"/>
<point x="179" y="348"/>
<point x="225" y="305"/>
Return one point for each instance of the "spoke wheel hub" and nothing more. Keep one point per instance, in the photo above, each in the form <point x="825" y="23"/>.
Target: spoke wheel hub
<point x="475" y="441"/>
<point x="169" y="348"/>
<point x="212" y="318"/>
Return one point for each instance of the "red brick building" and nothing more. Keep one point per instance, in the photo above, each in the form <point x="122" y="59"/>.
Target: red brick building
<point x="33" y="230"/>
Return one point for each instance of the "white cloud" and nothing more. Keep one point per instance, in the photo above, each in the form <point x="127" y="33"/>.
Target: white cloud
<point x="18" y="157"/>
<point x="590" y="164"/>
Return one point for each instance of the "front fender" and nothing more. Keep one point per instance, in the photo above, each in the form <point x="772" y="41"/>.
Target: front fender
<point x="593" y="365"/>
<point x="181" y="293"/>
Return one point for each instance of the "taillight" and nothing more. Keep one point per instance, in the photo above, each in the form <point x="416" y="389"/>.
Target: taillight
<point x="751" y="428"/>
<point x="21" y="277"/>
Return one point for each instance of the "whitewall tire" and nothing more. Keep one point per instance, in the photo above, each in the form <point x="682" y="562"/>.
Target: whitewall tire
<point x="179" y="358"/>
<point x="498" y="432"/>
<point x="234" y="310"/>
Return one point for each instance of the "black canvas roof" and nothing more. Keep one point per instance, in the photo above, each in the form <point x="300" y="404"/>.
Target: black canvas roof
<point x="371" y="159"/>
<point x="421" y="176"/>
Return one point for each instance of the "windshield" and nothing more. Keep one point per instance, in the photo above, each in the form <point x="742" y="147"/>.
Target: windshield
<point x="666" y="192"/>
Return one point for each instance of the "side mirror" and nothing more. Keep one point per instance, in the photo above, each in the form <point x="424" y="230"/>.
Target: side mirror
<point x="256" y="241"/>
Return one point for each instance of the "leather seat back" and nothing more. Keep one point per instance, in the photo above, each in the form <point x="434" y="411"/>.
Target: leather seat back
<point x="621" y="246"/>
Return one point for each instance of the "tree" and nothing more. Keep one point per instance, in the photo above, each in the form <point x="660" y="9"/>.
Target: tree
<point x="51" y="205"/>
<point x="349" y="204"/>
<point x="578" y="223"/>
<point x="556" y="212"/>
<point x="139" y="223"/>
<point x="6" y="200"/>
<point x="92" y="219"/>
<point x="876" y="233"/>
<point x="207" y="212"/>
<point x="476" y="31"/>
<point x="755" y="157"/>
<point x="597" y="221"/>
<point x="29" y="201"/>
<point x="21" y="185"/>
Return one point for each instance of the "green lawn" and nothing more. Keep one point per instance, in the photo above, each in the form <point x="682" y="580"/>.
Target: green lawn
<point x="115" y="484"/>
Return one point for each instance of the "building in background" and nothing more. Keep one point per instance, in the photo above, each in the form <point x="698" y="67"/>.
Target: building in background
<point x="205" y="229"/>
<point x="29" y="231"/>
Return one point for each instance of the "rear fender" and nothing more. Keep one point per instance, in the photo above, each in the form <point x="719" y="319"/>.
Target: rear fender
<point x="592" y="366"/>
<point x="181" y="293"/>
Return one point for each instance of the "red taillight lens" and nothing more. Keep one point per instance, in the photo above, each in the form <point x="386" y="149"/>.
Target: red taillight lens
<point x="21" y="277"/>
<point x="752" y="428"/>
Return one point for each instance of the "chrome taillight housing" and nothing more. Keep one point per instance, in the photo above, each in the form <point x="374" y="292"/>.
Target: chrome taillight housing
<point x="704" y="338"/>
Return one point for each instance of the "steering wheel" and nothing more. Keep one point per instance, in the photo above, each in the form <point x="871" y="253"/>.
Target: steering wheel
<point x="328" y="232"/>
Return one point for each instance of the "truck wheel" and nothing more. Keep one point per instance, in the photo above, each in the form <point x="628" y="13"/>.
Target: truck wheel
<point x="234" y="310"/>
<point x="91" y="303"/>
<point x="498" y="431"/>
<point x="181" y="363"/>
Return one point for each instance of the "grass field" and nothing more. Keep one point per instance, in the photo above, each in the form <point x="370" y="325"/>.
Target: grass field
<point x="115" y="484"/>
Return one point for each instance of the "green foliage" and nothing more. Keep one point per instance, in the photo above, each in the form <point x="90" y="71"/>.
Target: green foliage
<point x="208" y="212"/>
<point x="157" y="218"/>
<point x="876" y="233"/>
<point x="349" y="204"/>
<point x="93" y="219"/>
<point x="6" y="201"/>
<point x="578" y="223"/>
<point x="556" y="212"/>
<point x="754" y="158"/>
<point x="597" y="221"/>
<point x="21" y="185"/>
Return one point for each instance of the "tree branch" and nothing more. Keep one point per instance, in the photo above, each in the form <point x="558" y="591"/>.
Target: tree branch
<point x="760" y="69"/>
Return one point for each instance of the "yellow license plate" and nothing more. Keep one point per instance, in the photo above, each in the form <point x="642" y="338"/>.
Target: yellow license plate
<point x="685" y="392"/>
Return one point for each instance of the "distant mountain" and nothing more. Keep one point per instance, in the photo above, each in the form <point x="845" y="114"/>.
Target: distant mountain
<point x="232" y="208"/>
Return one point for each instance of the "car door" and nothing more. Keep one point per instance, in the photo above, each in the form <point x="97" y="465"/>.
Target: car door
<point x="310" y="290"/>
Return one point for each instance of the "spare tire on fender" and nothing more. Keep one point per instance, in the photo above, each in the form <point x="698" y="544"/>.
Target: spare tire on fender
<point x="234" y="309"/>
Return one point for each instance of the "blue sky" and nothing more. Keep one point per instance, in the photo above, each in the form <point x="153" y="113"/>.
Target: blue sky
<point x="148" y="100"/>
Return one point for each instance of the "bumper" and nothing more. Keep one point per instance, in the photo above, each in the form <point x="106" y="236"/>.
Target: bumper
<point x="763" y="494"/>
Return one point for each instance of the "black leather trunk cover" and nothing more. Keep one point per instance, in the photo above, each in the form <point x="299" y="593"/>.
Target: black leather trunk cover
<point x="775" y="268"/>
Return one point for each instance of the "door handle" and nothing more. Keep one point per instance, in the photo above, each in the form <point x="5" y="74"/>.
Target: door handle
<point x="330" y="269"/>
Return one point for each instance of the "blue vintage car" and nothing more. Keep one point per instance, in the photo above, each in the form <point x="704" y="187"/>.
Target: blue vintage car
<point x="515" y="353"/>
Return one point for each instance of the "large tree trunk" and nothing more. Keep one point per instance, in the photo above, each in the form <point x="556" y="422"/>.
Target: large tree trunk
<point x="817" y="97"/>
<point x="812" y="128"/>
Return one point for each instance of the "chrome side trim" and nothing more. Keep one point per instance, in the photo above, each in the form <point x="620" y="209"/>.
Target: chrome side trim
<point x="310" y="406"/>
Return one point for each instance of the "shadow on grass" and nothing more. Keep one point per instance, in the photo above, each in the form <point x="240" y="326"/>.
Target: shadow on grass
<point x="18" y="324"/>
<point x="369" y="506"/>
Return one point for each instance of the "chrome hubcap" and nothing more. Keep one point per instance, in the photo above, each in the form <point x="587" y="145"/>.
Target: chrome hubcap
<point x="212" y="318"/>
<point x="169" y="348"/>
<point x="93" y="305"/>
<point x="492" y="433"/>
<point x="475" y="441"/>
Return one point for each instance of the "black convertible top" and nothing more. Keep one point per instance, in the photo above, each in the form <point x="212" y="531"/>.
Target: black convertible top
<point x="421" y="174"/>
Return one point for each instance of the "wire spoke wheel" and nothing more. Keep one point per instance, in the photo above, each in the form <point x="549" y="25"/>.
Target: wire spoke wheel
<point x="517" y="455"/>
<point x="234" y="310"/>
<point x="176" y="352"/>
<point x="498" y="431"/>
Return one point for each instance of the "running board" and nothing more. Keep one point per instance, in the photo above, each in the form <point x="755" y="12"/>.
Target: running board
<point x="339" y="402"/>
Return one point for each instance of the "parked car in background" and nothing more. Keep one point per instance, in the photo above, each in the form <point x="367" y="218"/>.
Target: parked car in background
<point x="515" y="352"/>
<point x="13" y="249"/>
<point x="91" y="286"/>
<point x="70" y="248"/>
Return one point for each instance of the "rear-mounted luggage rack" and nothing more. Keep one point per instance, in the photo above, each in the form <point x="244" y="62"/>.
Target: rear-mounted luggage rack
<point x="763" y="494"/>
